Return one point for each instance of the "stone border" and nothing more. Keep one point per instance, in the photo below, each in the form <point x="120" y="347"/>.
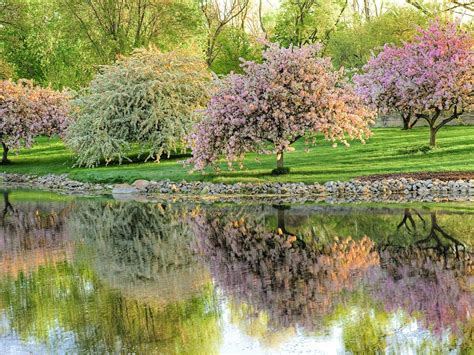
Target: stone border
<point x="396" y="190"/>
<point x="51" y="182"/>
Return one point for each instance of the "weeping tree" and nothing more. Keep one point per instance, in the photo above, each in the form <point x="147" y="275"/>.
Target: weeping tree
<point x="146" y="100"/>
<point x="28" y="111"/>
<point x="292" y="94"/>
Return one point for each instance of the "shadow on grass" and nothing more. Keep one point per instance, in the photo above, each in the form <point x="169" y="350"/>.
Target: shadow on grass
<point x="38" y="150"/>
<point x="142" y="159"/>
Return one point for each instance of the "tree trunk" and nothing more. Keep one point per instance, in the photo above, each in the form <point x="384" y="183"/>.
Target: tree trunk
<point x="5" y="154"/>
<point x="406" y="123"/>
<point x="280" y="160"/>
<point x="281" y="220"/>
<point x="432" y="137"/>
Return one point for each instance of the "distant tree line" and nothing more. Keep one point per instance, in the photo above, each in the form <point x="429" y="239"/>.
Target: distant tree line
<point x="63" y="42"/>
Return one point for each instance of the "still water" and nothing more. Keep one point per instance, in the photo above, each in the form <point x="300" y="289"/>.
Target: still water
<point x="94" y="275"/>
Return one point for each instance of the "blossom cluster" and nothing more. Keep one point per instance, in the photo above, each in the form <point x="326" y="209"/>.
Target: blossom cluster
<point x="433" y="73"/>
<point x="27" y="111"/>
<point x="291" y="94"/>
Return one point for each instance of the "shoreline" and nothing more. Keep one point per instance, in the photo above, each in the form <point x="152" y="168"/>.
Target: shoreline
<point x="383" y="190"/>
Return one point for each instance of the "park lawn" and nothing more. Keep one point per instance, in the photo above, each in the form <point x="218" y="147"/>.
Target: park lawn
<point x="389" y="150"/>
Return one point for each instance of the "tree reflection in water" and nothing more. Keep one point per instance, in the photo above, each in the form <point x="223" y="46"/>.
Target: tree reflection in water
<point x="136" y="277"/>
<point x="142" y="249"/>
<point x="32" y="233"/>
<point x="113" y="296"/>
<point x="272" y="271"/>
<point x="429" y="279"/>
<point x="285" y="281"/>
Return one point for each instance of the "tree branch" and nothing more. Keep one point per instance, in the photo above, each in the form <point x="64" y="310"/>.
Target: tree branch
<point x="417" y="5"/>
<point x="455" y="115"/>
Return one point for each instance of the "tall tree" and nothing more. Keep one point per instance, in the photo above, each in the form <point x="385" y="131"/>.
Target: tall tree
<point x="218" y="16"/>
<point x="353" y="44"/>
<point x="119" y="26"/>
<point x="41" y="45"/>
<point x="301" y="22"/>
<point x="234" y="43"/>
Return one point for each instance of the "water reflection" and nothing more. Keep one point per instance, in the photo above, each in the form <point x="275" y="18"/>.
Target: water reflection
<point x="110" y="295"/>
<point x="108" y="276"/>
<point x="32" y="233"/>
<point x="142" y="249"/>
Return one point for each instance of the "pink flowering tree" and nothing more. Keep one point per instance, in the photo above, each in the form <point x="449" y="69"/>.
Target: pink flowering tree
<point x="378" y="85"/>
<point x="292" y="94"/>
<point x="28" y="111"/>
<point x="431" y="78"/>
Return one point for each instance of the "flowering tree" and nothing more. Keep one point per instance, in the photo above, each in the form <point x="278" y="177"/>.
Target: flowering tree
<point x="378" y="86"/>
<point x="431" y="78"/>
<point x="28" y="111"/>
<point x="148" y="98"/>
<point x="292" y="94"/>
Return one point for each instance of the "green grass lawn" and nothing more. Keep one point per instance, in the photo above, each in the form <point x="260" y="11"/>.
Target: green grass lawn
<point x="390" y="150"/>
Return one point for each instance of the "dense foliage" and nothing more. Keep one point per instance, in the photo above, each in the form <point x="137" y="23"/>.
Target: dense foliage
<point x="428" y="77"/>
<point x="352" y="46"/>
<point x="61" y="42"/>
<point x="305" y="22"/>
<point x="292" y="94"/>
<point x="6" y="70"/>
<point x="28" y="111"/>
<point x="148" y="98"/>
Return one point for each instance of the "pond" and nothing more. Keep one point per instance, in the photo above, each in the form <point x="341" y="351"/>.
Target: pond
<point x="98" y="275"/>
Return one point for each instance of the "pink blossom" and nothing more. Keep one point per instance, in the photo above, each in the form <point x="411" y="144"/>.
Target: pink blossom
<point x="28" y="111"/>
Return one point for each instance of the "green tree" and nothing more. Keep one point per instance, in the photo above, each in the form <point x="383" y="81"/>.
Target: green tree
<point x="301" y="22"/>
<point x="219" y="15"/>
<point x="114" y="28"/>
<point x="62" y="42"/>
<point x="234" y="44"/>
<point x="41" y="45"/>
<point x="353" y="44"/>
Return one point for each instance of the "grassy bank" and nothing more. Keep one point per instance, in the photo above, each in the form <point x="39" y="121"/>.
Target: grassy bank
<point x="390" y="150"/>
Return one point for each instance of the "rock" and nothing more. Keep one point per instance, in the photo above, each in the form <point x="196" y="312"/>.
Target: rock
<point x="124" y="189"/>
<point x="141" y="184"/>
